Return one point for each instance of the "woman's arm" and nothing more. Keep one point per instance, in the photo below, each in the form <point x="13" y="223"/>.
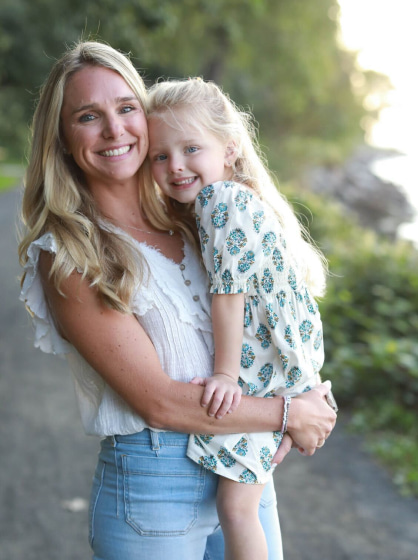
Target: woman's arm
<point x="118" y="348"/>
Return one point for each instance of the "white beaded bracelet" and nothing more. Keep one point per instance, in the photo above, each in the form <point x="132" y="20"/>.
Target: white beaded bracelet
<point x="286" y="405"/>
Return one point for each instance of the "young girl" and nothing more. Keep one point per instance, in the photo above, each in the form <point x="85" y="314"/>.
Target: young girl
<point x="263" y="275"/>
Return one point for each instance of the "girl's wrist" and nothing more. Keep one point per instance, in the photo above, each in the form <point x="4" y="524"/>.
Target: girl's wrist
<point x="225" y="374"/>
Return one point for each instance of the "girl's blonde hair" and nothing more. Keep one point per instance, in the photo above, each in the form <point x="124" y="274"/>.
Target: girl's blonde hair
<point x="208" y="108"/>
<point x="57" y="200"/>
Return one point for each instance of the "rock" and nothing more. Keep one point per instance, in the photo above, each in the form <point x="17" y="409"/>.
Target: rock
<point x="377" y="204"/>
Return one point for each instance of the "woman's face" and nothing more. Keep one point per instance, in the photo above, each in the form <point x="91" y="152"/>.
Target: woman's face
<point x="104" y="126"/>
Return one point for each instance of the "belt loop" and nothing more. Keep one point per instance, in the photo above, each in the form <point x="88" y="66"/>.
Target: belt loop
<point x="155" y="441"/>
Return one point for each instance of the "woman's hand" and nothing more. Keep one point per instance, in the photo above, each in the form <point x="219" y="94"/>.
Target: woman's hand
<point x="310" y="422"/>
<point x="311" y="419"/>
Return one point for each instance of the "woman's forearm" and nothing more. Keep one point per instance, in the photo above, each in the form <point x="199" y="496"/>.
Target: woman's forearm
<point x="182" y="412"/>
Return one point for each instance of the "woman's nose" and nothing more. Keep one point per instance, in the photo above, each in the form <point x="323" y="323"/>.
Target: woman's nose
<point x="113" y="127"/>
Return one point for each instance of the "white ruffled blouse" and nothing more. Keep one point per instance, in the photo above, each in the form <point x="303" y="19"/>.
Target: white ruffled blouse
<point x="173" y="307"/>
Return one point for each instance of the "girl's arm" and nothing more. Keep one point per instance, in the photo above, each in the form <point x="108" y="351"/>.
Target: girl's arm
<point x="222" y="392"/>
<point x="118" y="348"/>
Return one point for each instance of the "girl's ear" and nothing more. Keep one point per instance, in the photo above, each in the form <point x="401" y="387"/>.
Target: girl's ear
<point x="231" y="154"/>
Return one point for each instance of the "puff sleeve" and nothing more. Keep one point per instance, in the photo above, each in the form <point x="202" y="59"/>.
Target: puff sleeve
<point x="47" y="337"/>
<point x="236" y="237"/>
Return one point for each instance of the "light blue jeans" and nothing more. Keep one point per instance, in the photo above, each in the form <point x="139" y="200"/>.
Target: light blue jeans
<point x="151" y="502"/>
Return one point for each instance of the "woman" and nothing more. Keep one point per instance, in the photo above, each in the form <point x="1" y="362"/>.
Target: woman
<point x="115" y="285"/>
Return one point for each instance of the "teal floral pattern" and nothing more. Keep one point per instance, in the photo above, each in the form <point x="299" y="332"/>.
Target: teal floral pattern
<point x="265" y="374"/>
<point x="272" y="317"/>
<point x="258" y="219"/>
<point x="267" y="281"/>
<point x="241" y="447"/>
<point x="265" y="458"/>
<point x="226" y="458"/>
<point x="247" y="356"/>
<point x="217" y="260"/>
<point x="248" y="315"/>
<point x="244" y="250"/>
<point x="220" y="216"/>
<point x="248" y="477"/>
<point x="205" y="195"/>
<point x="246" y="261"/>
<point x="235" y="241"/>
<point x="241" y="200"/>
<point x="209" y="462"/>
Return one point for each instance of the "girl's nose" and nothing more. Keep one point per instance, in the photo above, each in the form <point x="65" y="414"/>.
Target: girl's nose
<point x="176" y="164"/>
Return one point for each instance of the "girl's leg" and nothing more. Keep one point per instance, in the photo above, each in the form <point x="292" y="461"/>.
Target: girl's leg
<point x="270" y="521"/>
<point x="237" y="505"/>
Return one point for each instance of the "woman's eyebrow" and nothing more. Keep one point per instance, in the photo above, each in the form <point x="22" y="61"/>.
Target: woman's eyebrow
<point x="118" y="100"/>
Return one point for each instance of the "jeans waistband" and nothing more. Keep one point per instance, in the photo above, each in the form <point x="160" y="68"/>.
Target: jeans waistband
<point x="150" y="438"/>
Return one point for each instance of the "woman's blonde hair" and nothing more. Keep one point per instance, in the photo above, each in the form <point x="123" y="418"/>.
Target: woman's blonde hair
<point x="57" y="200"/>
<point x="208" y="108"/>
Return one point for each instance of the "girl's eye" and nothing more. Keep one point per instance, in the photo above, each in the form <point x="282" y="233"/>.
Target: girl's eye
<point x="191" y="149"/>
<point x="160" y="157"/>
<point x="87" y="117"/>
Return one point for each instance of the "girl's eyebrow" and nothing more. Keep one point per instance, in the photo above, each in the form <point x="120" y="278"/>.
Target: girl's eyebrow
<point x="117" y="101"/>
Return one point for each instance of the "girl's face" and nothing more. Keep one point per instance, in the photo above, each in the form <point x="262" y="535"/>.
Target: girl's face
<point x="185" y="159"/>
<point x="104" y="126"/>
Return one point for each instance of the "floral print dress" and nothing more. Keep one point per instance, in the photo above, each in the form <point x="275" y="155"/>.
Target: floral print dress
<point x="244" y="251"/>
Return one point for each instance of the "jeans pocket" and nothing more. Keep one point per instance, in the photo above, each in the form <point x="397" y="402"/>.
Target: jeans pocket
<point x="162" y="495"/>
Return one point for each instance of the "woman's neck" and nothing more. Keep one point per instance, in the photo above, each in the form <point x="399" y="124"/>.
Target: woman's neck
<point x="120" y="203"/>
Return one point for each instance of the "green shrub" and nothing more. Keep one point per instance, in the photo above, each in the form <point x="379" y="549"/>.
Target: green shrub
<point x="370" y="316"/>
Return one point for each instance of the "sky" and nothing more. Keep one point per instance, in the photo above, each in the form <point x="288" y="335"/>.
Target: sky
<point x="384" y="34"/>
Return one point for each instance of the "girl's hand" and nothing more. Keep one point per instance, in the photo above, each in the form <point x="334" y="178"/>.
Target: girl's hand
<point x="284" y="448"/>
<point x="222" y="394"/>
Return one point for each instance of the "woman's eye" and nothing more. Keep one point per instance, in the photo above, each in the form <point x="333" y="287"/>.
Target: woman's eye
<point x="87" y="117"/>
<point x="127" y="109"/>
<point x="191" y="149"/>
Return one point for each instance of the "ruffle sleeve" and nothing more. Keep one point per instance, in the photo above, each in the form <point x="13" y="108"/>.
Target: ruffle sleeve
<point x="235" y="236"/>
<point x="47" y="337"/>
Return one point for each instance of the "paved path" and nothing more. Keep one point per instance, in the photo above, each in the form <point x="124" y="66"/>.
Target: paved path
<point x="337" y="505"/>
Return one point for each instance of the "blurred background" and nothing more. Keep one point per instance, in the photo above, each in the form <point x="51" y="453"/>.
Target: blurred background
<point x="332" y="87"/>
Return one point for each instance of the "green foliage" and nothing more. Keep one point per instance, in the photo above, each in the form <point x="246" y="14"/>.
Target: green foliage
<point x="280" y="58"/>
<point x="370" y="315"/>
<point x="7" y="182"/>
